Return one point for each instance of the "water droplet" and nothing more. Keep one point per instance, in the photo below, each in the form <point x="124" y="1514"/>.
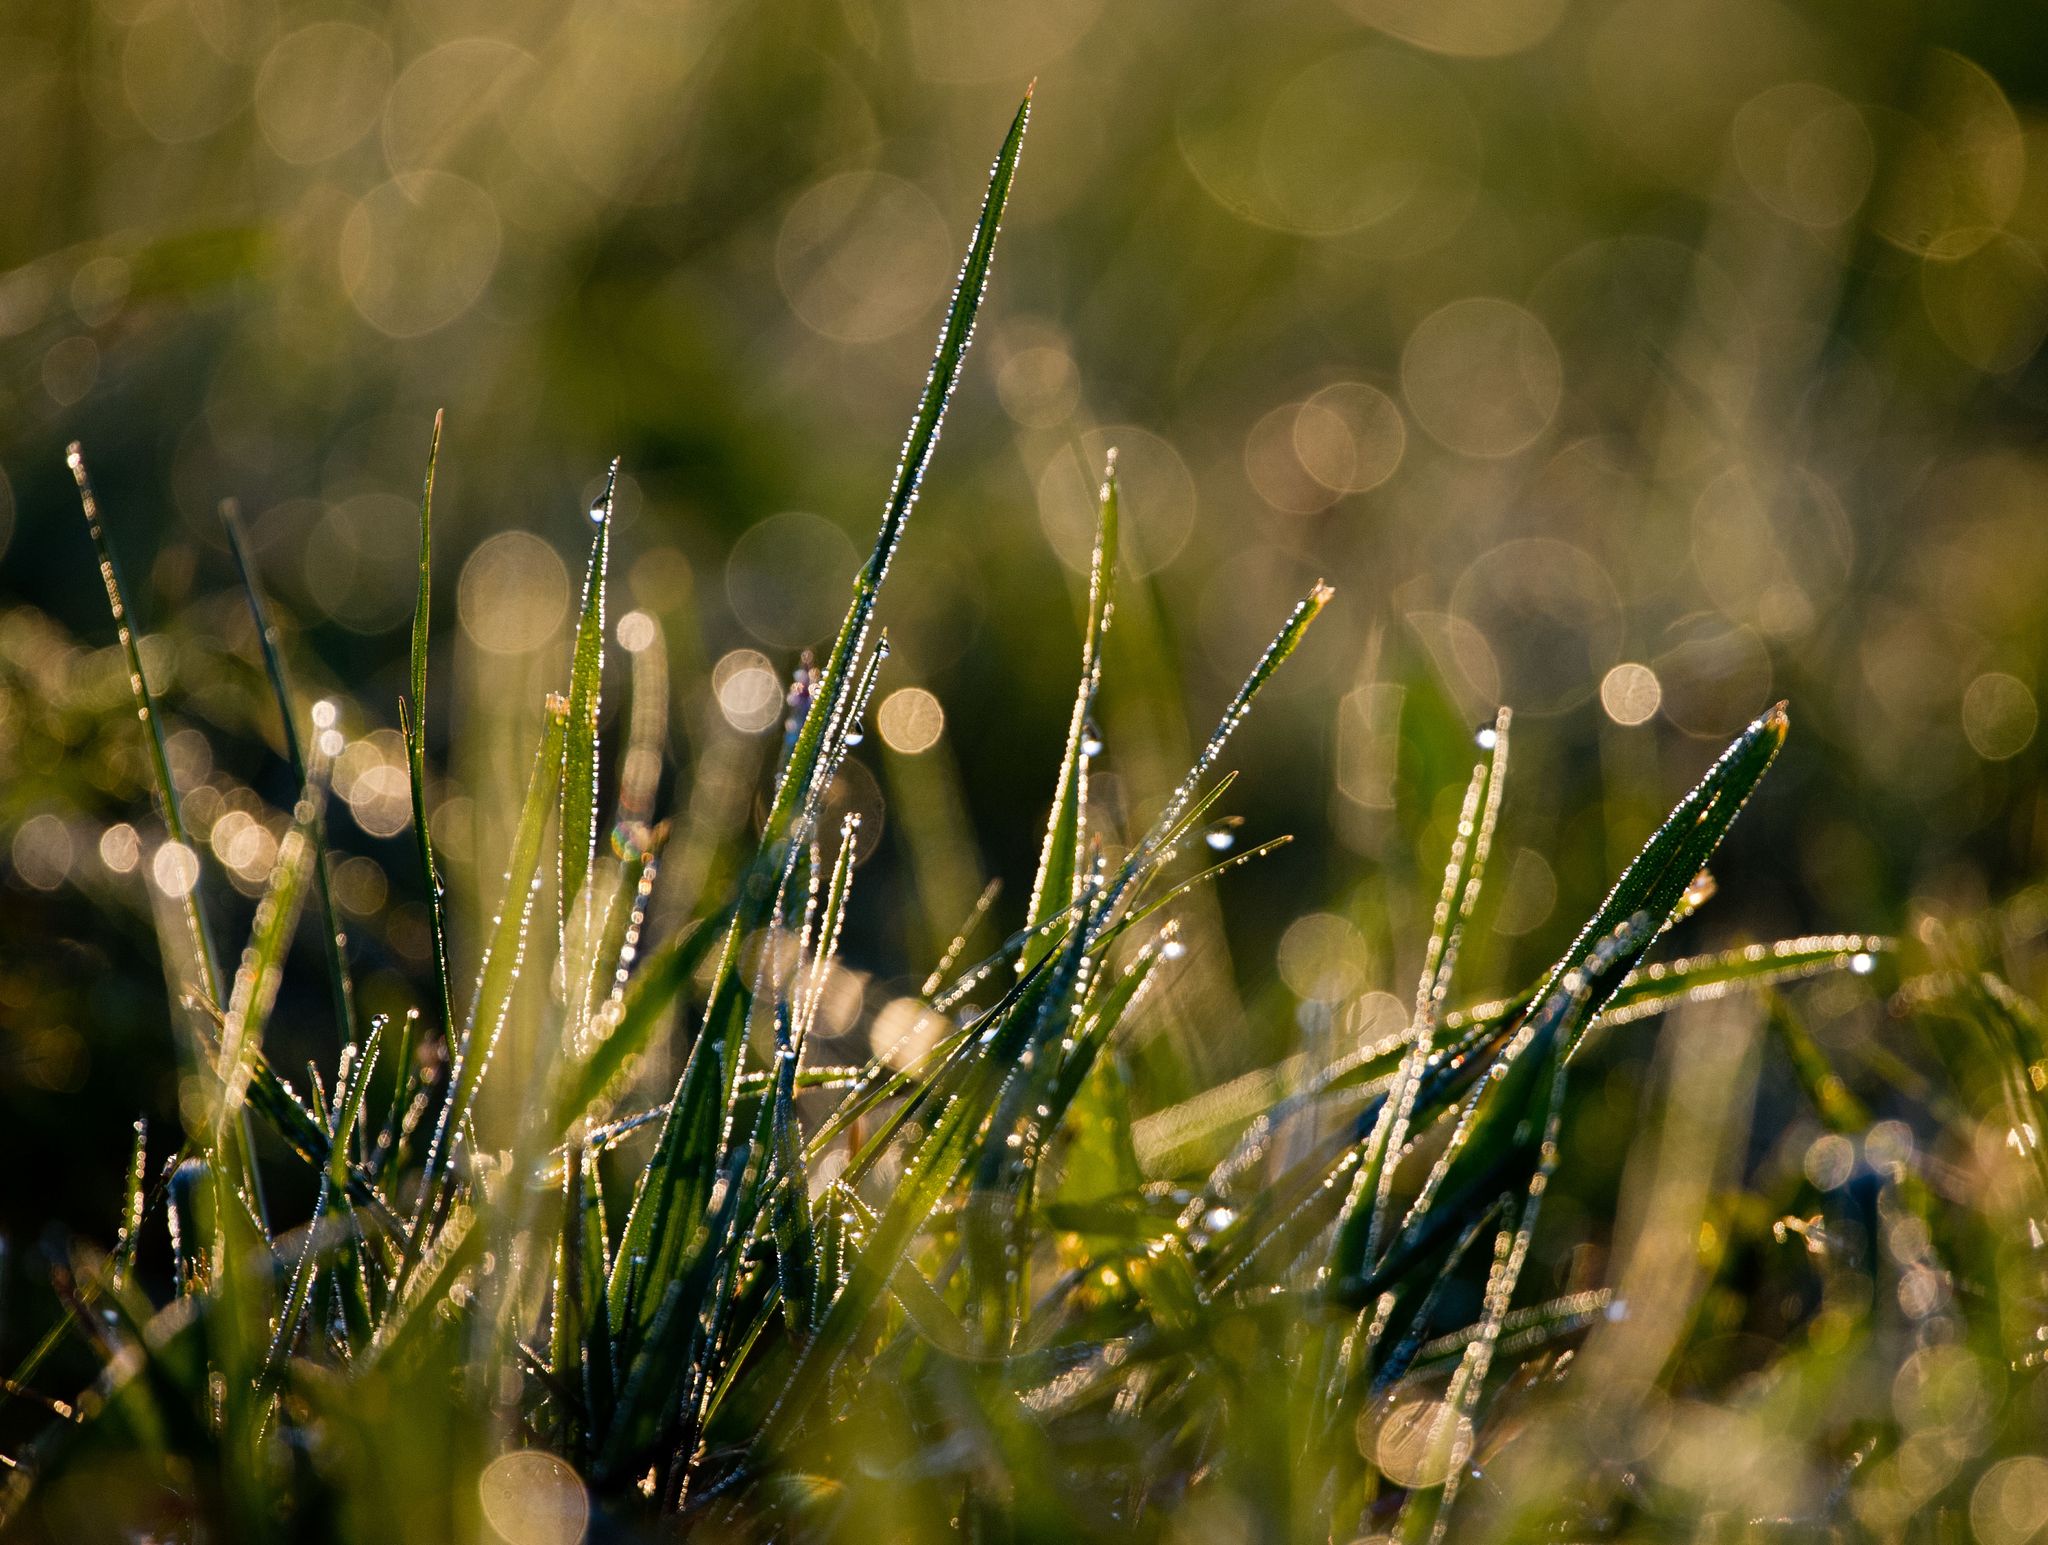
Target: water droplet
<point x="1863" y="963"/>
<point x="856" y="735"/>
<point x="1221" y="837"/>
<point x="599" y="508"/>
<point x="1172" y="949"/>
<point x="1091" y="739"/>
<point x="1486" y="737"/>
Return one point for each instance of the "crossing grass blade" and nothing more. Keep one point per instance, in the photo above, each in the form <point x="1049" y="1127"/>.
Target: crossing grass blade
<point x="625" y="1029"/>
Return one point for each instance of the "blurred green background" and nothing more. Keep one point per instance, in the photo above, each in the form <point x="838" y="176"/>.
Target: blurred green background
<point x="1633" y="364"/>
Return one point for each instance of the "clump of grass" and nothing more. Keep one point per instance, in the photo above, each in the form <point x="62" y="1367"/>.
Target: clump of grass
<point x="945" y="1293"/>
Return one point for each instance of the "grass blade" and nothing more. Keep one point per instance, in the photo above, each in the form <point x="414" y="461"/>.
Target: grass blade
<point x="334" y="942"/>
<point x="674" y="1190"/>
<point x="1058" y="864"/>
<point x="578" y="845"/>
<point x="412" y="718"/>
<point x="503" y="953"/>
<point x="152" y="723"/>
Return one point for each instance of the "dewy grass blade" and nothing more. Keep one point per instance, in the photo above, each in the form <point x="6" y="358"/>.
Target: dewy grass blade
<point x="335" y="943"/>
<point x="1059" y="858"/>
<point x="262" y="966"/>
<point x="1657" y="877"/>
<point x="1360" y="1232"/>
<point x="826" y="718"/>
<point x="132" y="1209"/>
<point x="255" y="990"/>
<point x="412" y="717"/>
<point x="624" y="1031"/>
<point x="671" y="1199"/>
<point x="1172" y="820"/>
<point x="503" y="953"/>
<point x="625" y="914"/>
<point x="578" y="845"/>
<point x="152" y="724"/>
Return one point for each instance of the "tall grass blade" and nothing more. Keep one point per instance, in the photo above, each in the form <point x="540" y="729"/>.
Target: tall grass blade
<point x="152" y="723"/>
<point x="333" y="941"/>
<point x="412" y="718"/>
<point x="1059" y="859"/>
<point x="503" y="953"/>
<point x="675" y="1188"/>
<point x="578" y="845"/>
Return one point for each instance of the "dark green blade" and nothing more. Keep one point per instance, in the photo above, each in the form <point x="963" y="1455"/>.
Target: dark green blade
<point x="412" y="718"/>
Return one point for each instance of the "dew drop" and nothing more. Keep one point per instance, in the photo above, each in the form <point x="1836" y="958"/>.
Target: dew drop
<point x="1172" y="949"/>
<point x="1863" y="963"/>
<point x="599" y="508"/>
<point x="1486" y="737"/>
<point x="856" y="735"/>
<point x="1091" y="739"/>
<point x="1221" y="837"/>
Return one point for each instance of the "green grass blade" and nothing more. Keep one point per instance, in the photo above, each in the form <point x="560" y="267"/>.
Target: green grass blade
<point x="1657" y="878"/>
<point x="626" y="1028"/>
<point x="625" y="914"/>
<point x="256" y="983"/>
<point x="1184" y="802"/>
<point x="132" y="1207"/>
<point x="152" y="724"/>
<point x="412" y="718"/>
<point x="357" y="1066"/>
<point x="333" y="940"/>
<point x="504" y="952"/>
<point x="1362" y="1228"/>
<point x="1059" y="858"/>
<point x="578" y="846"/>
<point x="670" y="1200"/>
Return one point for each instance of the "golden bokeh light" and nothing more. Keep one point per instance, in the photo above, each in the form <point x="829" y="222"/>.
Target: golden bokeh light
<point x="1630" y="693"/>
<point x="1957" y="163"/>
<point x="862" y="255"/>
<point x="513" y="593"/>
<point x="1482" y="377"/>
<point x="1990" y="304"/>
<point x="2000" y="715"/>
<point x="787" y="577"/>
<point x="749" y="692"/>
<point x="911" y="720"/>
<point x="1350" y="437"/>
<point x="1475" y="29"/>
<point x="1322" y="958"/>
<point x="1273" y="463"/>
<point x="321" y="89"/>
<point x="1350" y="141"/>
<point x="530" y="1497"/>
<point x="417" y="251"/>
<point x="1806" y="152"/>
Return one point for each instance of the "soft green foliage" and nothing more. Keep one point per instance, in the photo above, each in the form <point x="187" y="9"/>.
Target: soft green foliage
<point x="967" y="1286"/>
